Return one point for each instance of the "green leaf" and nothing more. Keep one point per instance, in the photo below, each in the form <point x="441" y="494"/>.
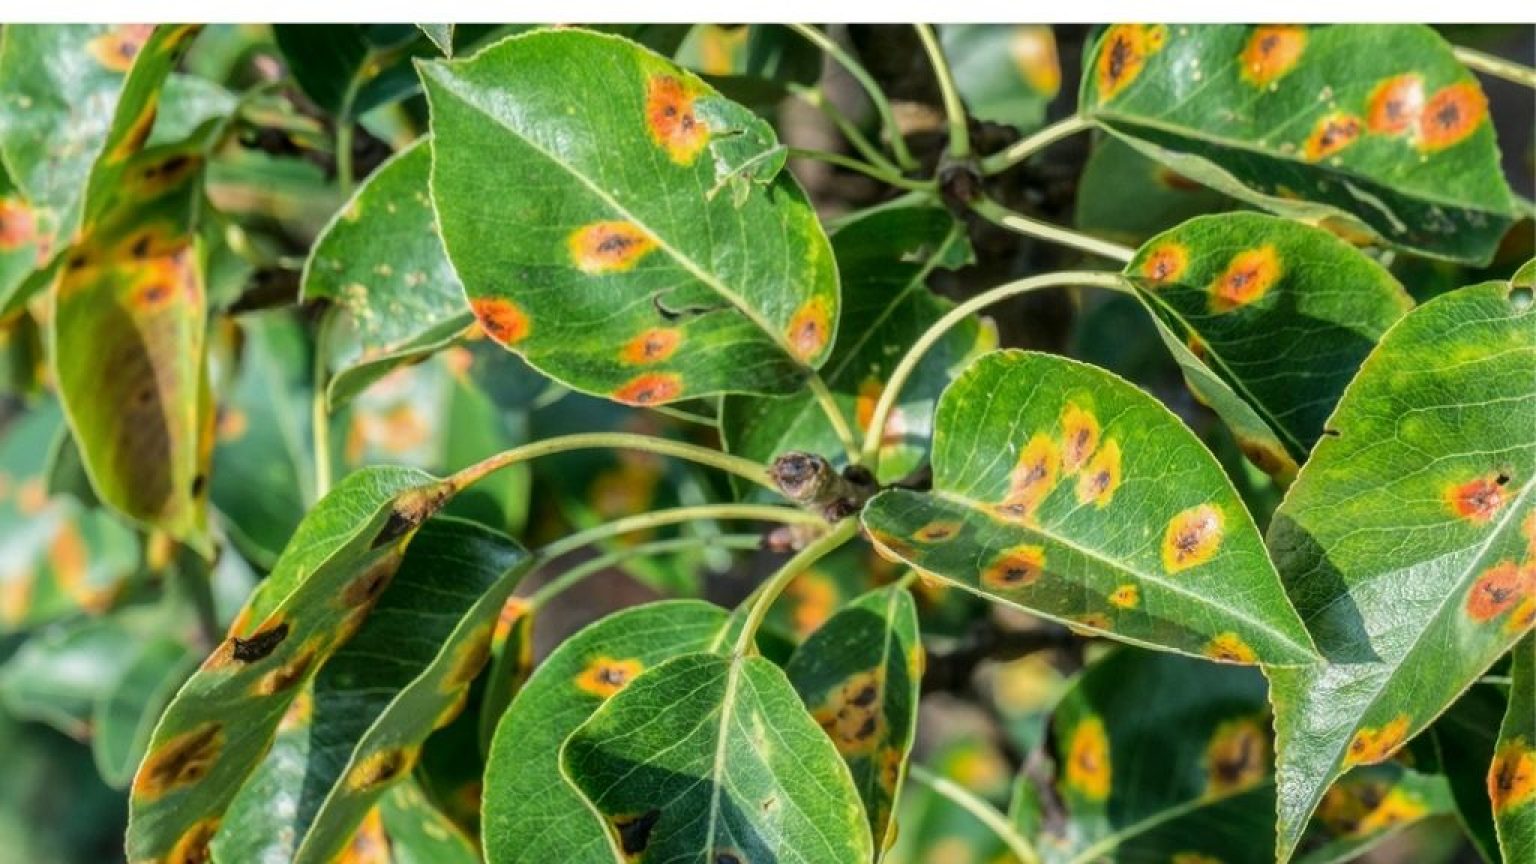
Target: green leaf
<point x="420" y="834"/>
<point x="22" y="246"/>
<point x="511" y="665"/>
<point x="380" y="262"/>
<point x="125" y="715"/>
<point x="1376" y="128"/>
<point x="1157" y="758"/>
<point x="1269" y="320"/>
<point x="1370" y="805"/>
<point x="1402" y="535"/>
<point x="1464" y="739"/>
<point x="348" y="69"/>
<point x="932" y="827"/>
<point x="532" y="814"/>
<point x="754" y="64"/>
<point x="712" y="758"/>
<point x="216" y="730"/>
<point x="662" y="253"/>
<point x="1065" y="491"/>
<point x="441" y="36"/>
<point x="58" y="676"/>
<point x="434" y="623"/>
<point x="1006" y="73"/>
<point x="886" y="259"/>
<point x="1512" y="776"/>
<point x="859" y="674"/>
<point x="1126" y="197"/>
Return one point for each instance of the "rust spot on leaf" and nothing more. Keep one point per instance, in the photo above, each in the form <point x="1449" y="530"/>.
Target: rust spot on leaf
<point x="370" y="845"/>
<point x="605" y="676"/>
<point x="608" y="247"/>
<point x="1193" y="858"/>
<point x="1372" y="744"/>
<point x="18" y="227"/>
<point x="1512" y="776"/>
<point x="1018" y="567"/>
<point x="634" y="832"/>
<point x="1237" y="756"/>
<point x="670" y="118"/>
<point x="1033" y="49"/>
<point x="652" y="388"/>
<point x="1088" y="766"/>
<point x="1477" y="500"/>
<point x="501" y="319"/>
<point x="1033" y="478"/>
<point x="1125" y="597"/>
<point x="1192" y="538"/>
<point x="1266" y="456"/>
<point x="937" y="531"/>
<point x="382" y="767"/>
<point x="1498" y="590"/>
<point x="1125" y="52"/>
<point x="289" y="673"/>
<point x="1451" y="115"/>
<point x="1331" y="135"/>
<point x="194" y="845"/>
<point x="1357" y="808"/>
<point x="1101" y="476"/>
<point x="260" y="644"/>
<point x="1230" y="648"/>
<point x="1249" y="275"/>
<point x="851" y="714"/>
<point x="1166" y="263"/>
<point x="652" y="346"/>
<point x="1273" y="50"/>
<point x="809" y="329"/>
<point x="469" y="659"/>
<point x="182" y="761"/>
<point x="813" y="597"/>
<point x="1395" y="105"/>
<point x="1079" y="435"/>
<point x="117" y="48"/>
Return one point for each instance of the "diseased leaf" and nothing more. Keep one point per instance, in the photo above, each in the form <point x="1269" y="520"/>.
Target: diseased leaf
<point x="1370" y="805"/>
<point x="22" y="247"/>
<point x="1512" y="776"/>
<point x="1065" y="491"/>
<point x="125" y="715"/>
<point x="1408" y="531"/>
<point x="216" y="730"/>
<point x="1376" y="128"/>
<point x="662" y="253"/>
<point x="886" y="259"/>
<point x="1126" y="197"/>
<point x="1269" y="320"/>
<point x="381" y="263"/>
<point x="859" y="674"/>
<point x="707" y="758"/>
<point x="511" y="665"/>
<point x="1006" y="73"/>
<point x="532" y="814"/>
<point x="418" y="833"/>
<point x="369" y="719"/>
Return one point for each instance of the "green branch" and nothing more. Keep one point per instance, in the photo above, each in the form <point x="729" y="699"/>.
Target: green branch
<point x="1027" y="147"/>
<point x="574" y="575"/>
<point x="876" y="95"/>
<point x="1001" y="216"/>
<point x="1498" y="67"/>
<point x="890" y="178"/>
<point x="744" y="468"/>
<point x="763" y="598"/>
<point x="675" y="516"/>
<point x="954" y="106"/>
<point x="984" y="812"/>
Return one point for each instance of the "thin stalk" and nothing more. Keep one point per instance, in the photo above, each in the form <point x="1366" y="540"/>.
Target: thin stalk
<point x="984" y="812"/>
<point x="840" y="426"/>
<point x="344" y="173"/>
<point x="571" y="577"/>
<point x="936" y="331"/>
<point x="876" y="95"/>
<point x="868" y="170"/>
<point x="320" y="417"/>
<point x="675" y="516"/>
<point x="198" y="590"/>
<point x="1027" y="147"/>
<point x="763" y="598"/>
<point x="814" y="97"/>
<point x="1498" y="67"/>
<point x="744" y="468"/>
<point x="906" y="199"/>
<point x="997" y="214"/>
<point x="954" y="106"/>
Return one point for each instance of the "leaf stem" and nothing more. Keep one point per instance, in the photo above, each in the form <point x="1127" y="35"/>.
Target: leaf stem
<point x="763" y="598"/>
<point x="814" y="97"/>
<point x="195" y="584"/>
<point x="1027" y="147"/>
<point x="876" y="95"/>
<point x="743" y="468"/>
<point x="999" y="215"/>
<point x="1498" y="67"/>
<point x="936" y="331"/>
<point x="984" y="812"/>
<point x="888" y="177"/>
<point x="828" y="403"/>
<point x="954" y="106"/>
<point x="571" y="577"/>
<point x="319" y="415"/>
<point x="675" y="516"/>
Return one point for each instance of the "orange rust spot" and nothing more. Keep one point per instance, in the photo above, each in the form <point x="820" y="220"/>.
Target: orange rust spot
<point x="1361" y="808"/>
<point x="1477" y="500"/>
<point x="1088" y="767"/>
<point x="1271" y="53"/>
<point x="1451" y="115"/>
<point x="116" y="48"/>
<point x="1090" y="624"/>
<point x="469" y="659"/>
<point x="1266" y="456"/>
<point x="1166" y="263"/>
<point x="18" y="227"/>
<point x="890" y="547"/>
<point x="1079" y="435"/>
<point x="1395" y="105"/>
<point x="514" y="609"/>
<point x="182" y="761"/>
<point x="1528" y="530"/>
<point x="453" y="709"/>
<point x="137" y="133"/>
<point x="1192" y="538"/>
<point x="1230" y="648"/>
<point x="670" y="117"/>
<point x="608" y="247"/>
<point x="652" y="346"/>
<point x="650" y="389"/>
<point x="1033" y="478"/>
<point x="605" y="676"/>
<point x="1512" y="776"/>
<point x="1498" y="590"/>
<point x="501" y="319"/>
<point x="1524" y="615"/>
<point x="1125" y="597"/>
<point x="369" y="845"/>
<point x="1174" y="180"/>
<point x="291" y="672"/>
<point x="1249" y="275"/>
<point x="809" y="328"/>
<point x="382" y="767"/>
<point x="1372" y="744"/>
<point x="156" y="178"/>
<point x="1033" y="49"/>
<point x="852" y="715"/>
<point x="1018" y="567"/>
<point x="300" y="712"/>
<point x="1331" y="135"/>
<point x="192" y="847"/>
<point x="1101" y="477"/>
<point x="813" y="597"/>
<point x="937" y="531"/>
<point x="1121" y="59"/>
<point x="1237" y="756"/>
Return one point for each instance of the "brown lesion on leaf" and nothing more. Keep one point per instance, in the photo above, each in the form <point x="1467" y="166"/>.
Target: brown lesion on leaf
<point x="1194" y="858"/>
<point x="1512" y="775"/>
<point x="1372" y="744"/>
<point x="1123" y="55"/>
<point x="671" y="119"/>
<point x="608" y="246"/>
<point x="370" y="845"/>
<point x="1332" y="134"/>
<point x="1360" y="808"/>
<point x="469" y="658"/>
<point x="1451" y="115"/>
<point x="136" y="134"/>
<point x="1192" y="538"/>
<point x="653" y="345"/>
<point x="1395" y="105"/>
<point x="289" y="673"/>
<point x="605" y="676"/>
<point x="1166" y="263"/>
<point x="181" y="761"/>
<point x="1126" y="596"/>
<point x="1088" y="769"/>
<point x="633" y="831"/>
<point x="194" y="846"/>
<point x="259" y="644"/>
<point x="1248" y="277"/>
<point x="1032" y="479"/>
<point x="1478" y="499"/>
<point x="1100" y="478"/>
<point x="1229" y="647"/>
<point x="1267" y="456"/>
<point x="650" y="388"/>
<point x="810" y="329"/>
<point x="156" y="178"/>
<point x="382" y="767"/>
<point x="1272" y="52"/>
<point x="852" y="714"/>
<point x="937" y="531"/>
<point x="501" y="319"/>
<point x="1018" y="567"/>
<point x="1079" y="435"/>
<point x="18" y="224"/>
<point x="1237" y="757"/>
<point x="1499" y="589"/>
<point x="116" y="49"/>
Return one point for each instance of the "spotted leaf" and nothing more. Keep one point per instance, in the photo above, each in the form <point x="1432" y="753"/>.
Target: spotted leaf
<point x="1370" y="805"/>
<point x="380" y="263"/>
<point x="369" y="719"/>
<point x="124" y="716"/>
<point x="220" y="725"/>
<point x="1063" y="490"/>
<point x="1512" y="776"/>
<point x="1403" y="534"/>
<point x="1269" y="320"/>
<point x="660" y="253"/>
<point x="886" y="258"/>
<point x="22" y="242"/>
<point x="532" y="814"/>
<point x="859" y="674"/>
<point x="1376" y="129"/>
<point x="713" y="758"/>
